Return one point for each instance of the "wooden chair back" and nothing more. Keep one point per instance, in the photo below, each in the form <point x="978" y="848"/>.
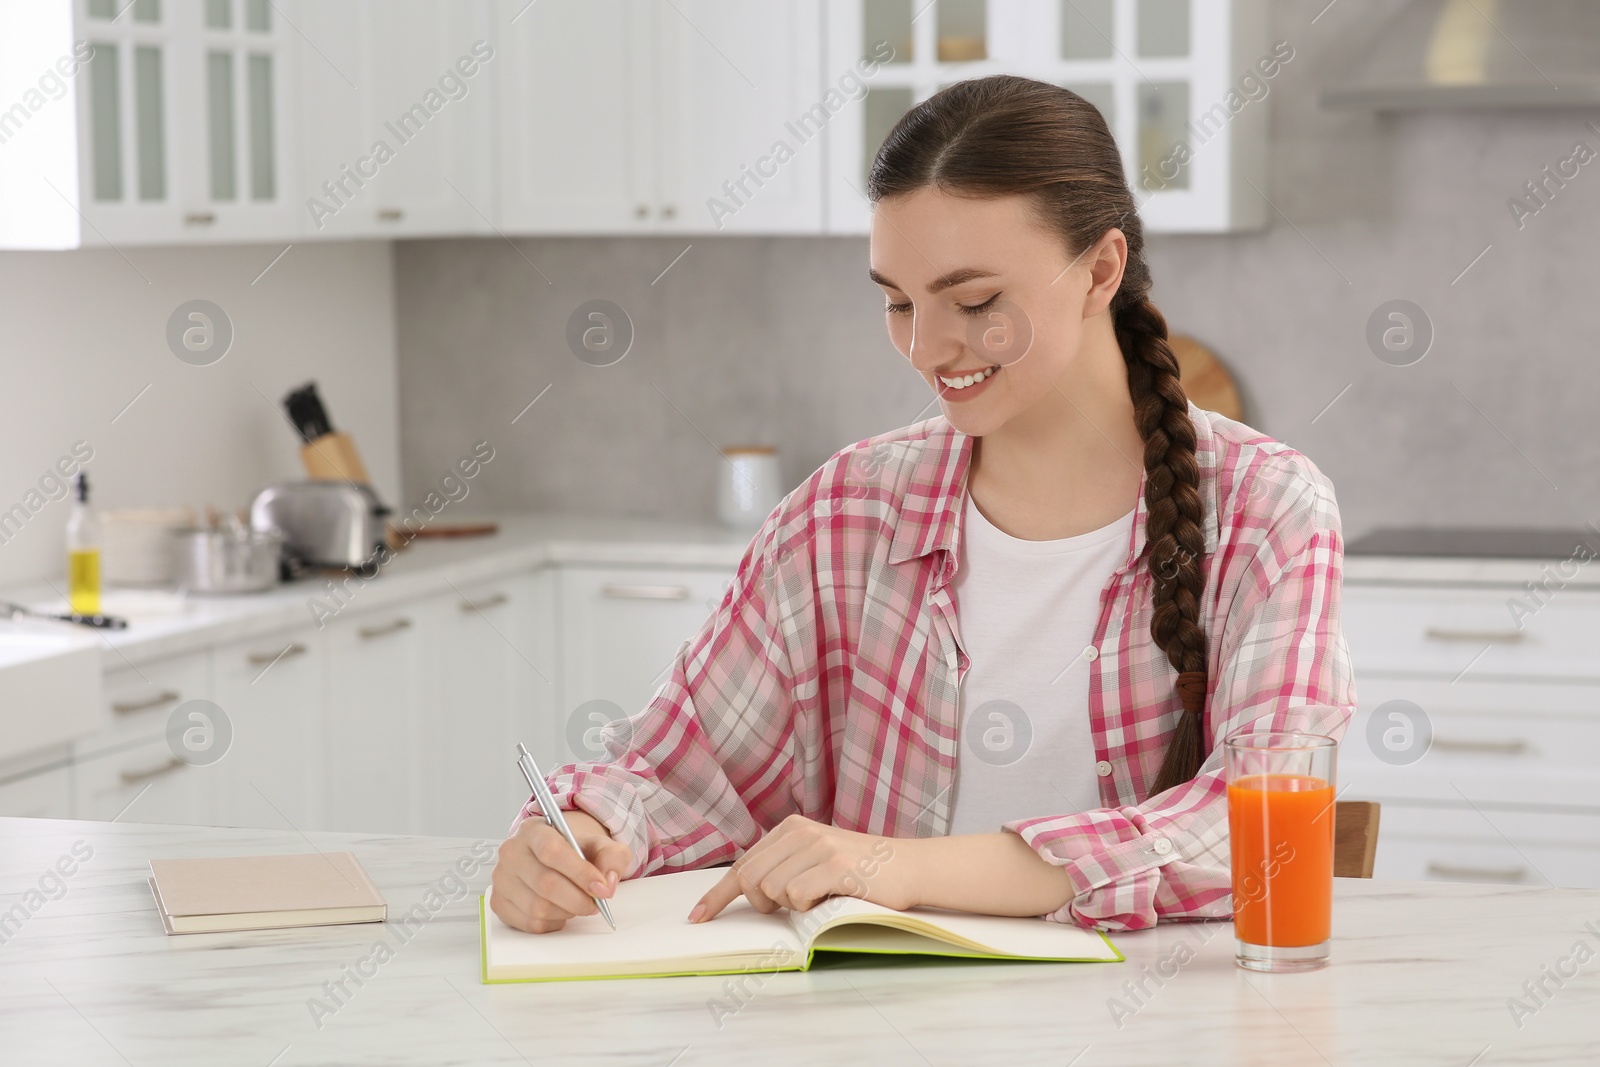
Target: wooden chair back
<point x="1355" y="838"/>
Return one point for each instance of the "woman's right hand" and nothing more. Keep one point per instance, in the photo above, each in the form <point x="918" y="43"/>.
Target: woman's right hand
<point x="539" y="882"/>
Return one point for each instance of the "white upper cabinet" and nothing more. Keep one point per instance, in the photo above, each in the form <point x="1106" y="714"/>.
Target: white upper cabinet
<point x="1181" y="83"/>
<point x="622" y="117"/>
<point x="395" y="119"/>
<point x="157" y="122"/>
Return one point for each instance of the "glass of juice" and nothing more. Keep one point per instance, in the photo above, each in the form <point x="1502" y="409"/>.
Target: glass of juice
<point x="1280" y="826"/>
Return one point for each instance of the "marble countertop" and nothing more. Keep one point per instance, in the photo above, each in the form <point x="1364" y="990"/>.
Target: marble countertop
<point x="1423" y="973"/>
<point x="161" y="625"/>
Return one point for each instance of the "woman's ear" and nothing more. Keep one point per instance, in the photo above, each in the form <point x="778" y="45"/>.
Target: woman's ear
<point x="1105" y="261"/>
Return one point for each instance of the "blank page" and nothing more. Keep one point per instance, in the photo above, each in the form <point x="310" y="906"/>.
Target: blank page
<point x="652" y="924"/>
<point x="1024" y="938"/>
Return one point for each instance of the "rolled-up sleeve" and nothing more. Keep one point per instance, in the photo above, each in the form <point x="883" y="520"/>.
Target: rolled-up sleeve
<point x="1279" y="663"/>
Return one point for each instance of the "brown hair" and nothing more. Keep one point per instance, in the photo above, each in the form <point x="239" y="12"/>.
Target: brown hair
<point x="1005" y="136"/>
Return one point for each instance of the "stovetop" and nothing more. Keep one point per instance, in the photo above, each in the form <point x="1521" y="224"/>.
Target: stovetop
<point x="1476" y="542"/>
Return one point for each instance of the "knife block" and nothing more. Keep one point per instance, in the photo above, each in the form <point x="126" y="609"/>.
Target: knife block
<point x="333" y="457"/>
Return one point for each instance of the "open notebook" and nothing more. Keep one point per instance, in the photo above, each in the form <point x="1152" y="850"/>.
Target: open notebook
<point x="654" y="937"/>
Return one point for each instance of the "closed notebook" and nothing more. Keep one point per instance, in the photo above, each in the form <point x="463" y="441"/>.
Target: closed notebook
<point x="197" y="896"/>
<point x="654" y="937"/>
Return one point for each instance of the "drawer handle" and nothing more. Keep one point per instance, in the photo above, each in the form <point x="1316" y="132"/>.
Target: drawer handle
<point x="1493" y="637"/>
<point x="262" y="659"/>
<point x="200" y="218"/>
<point x="390" y="214"/>
<point x="1509" y="748"/>
<point x="1485" y="874"/>
<point x="166" y="696"/>
<point x="135" y="777"/>
<point x="645" y="592"/>
<point x="489" y="602"/>
<point x="369" y="632"/>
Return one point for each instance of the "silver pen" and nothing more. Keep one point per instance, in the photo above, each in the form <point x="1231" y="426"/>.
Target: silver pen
<point x="552" y="813"/>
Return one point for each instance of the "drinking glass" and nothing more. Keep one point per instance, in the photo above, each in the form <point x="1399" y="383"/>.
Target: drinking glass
<point x="1280" y="823"/>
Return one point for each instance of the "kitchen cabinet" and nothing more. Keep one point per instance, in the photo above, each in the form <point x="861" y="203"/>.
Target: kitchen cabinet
<point x="1473" y="731"/>
<point x="378" y="687"/>
<point x="146" y="122"/>
<point x="131" y="769"/>
<point x="45" y="795"/>
<point x="620" y="631"/>
<point x="395" y="120"/>
<point x="660" y="117"/>
<point x="270" y="691"/>
<point x="1164" y="73"/>
<point x="493" y="690"/>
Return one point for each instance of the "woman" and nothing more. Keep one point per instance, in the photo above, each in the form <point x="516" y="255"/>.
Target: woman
<point x="985" y="662"/>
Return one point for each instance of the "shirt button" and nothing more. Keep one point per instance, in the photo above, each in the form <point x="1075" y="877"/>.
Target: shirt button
<point x="1162" y="846"/>
<point x="1091" y="653"/>
<point x="1102" y="768"/>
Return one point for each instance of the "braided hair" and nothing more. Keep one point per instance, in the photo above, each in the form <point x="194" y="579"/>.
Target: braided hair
<point x="1005" y="135"/>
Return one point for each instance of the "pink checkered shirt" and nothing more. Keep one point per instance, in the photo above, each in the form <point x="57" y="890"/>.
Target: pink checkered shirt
<point x="826" y="681"/>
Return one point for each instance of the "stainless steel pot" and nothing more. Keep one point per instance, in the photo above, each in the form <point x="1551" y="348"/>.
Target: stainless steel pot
<point x="227" y="560"/>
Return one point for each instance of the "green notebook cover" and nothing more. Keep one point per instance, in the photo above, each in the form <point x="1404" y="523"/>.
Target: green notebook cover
<point x="847" y="920"/>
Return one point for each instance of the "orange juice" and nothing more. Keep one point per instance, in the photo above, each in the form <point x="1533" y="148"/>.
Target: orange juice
<point x="1281" y="830"/>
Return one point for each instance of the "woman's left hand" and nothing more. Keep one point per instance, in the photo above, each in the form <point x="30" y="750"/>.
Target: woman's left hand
<point x="801" y="862"/>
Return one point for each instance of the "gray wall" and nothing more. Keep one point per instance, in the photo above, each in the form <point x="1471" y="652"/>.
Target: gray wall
<point x="781" y="340"/>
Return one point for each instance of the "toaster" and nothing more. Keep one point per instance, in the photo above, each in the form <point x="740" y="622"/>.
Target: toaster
<point x="324" y="523"/>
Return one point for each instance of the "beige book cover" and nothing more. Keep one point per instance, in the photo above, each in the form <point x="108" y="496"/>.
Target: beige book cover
<point x="263" y="892"/>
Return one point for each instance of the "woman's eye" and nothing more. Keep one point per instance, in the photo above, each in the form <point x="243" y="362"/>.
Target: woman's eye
<point x="978" y="309"/>
<point x="897" y="309"/>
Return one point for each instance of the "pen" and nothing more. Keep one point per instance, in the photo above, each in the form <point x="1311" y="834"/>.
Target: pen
<point x="552" y="813"/>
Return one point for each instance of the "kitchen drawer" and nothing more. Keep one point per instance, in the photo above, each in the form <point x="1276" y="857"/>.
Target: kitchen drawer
<point x="45" y="795"/>
<point x="107" y="784"/>
<point x="140" y="699"/>
<point x="1492" y="742"/>
<point x="1420" y="630"/>
<point x="1463" y="845"/>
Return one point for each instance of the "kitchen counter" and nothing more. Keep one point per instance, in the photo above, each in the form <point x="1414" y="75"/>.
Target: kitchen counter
<point x="1422" y="973"/>
<point x="427" y="565"/>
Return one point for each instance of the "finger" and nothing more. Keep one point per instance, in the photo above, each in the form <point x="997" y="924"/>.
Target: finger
<point x="521" y="909"/>
<point x="612" y="858"/>
<point x="778" y="882"/>
<point x="552" y="850"/>
<point x="757" y="865"/>
<point x="553" y="886"/>
<point x="725" y="892"/>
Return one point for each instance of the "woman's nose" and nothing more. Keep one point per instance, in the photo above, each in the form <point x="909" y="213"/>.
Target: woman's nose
<point x="931" y="346"/>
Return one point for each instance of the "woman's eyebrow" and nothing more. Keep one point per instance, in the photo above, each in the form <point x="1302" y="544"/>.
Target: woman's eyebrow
<point x="955" y="277"/>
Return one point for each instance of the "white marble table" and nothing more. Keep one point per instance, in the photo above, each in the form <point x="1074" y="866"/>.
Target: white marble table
<point x="1423" y="974"/>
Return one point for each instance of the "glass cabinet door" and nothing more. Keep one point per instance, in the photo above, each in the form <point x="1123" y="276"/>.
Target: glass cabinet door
<point x="126" y="102"/>
<point x="241" y="46"/>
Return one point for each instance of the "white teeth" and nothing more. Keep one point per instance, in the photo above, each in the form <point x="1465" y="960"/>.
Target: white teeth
<point x="967" y="379"/>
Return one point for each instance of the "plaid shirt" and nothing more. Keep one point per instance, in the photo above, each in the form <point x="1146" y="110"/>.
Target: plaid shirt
<point x="826" y="683"/>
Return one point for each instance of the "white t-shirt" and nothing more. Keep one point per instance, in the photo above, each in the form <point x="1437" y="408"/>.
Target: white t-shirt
<point x="1027" y="612"/>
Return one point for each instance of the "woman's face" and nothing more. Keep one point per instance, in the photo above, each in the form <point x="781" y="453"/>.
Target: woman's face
<point x="984" y="299"/>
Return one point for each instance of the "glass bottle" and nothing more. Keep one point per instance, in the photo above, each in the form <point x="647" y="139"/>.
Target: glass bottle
<point x="83" y="553"/>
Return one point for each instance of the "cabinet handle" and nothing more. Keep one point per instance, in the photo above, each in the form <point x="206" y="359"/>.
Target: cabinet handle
<point x="668" y="211"/>
<point x="1514" y="747"/>
<point x="166" y="696"/>
<point x="199" y="218"/>
<point x="642" y="211"/>
<point x="135" y="777"/>
<point x="262" y="659"/>
<point x="489" y="602"/>
<point x="1485" y="874"/>
<point x="369" y="632"/>
<point x="1493" y="637"/>
<point x="390" y="214"/>
<point x="645" y="592"/>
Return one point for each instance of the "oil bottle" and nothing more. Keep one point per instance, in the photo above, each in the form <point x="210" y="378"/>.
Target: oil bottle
<point x="83" y="552"/>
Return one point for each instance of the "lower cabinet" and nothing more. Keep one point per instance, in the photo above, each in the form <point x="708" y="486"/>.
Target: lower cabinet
<point x="144" y="783"/>
<point x="492" y="689"/>
<point x="45" y="794"/>
<point x="378" y="689"/>
<point x="269" y="697"/>
<point x="620" y="630"/>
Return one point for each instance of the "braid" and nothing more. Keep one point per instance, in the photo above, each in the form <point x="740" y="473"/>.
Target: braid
<point x="1174" y="533"/>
